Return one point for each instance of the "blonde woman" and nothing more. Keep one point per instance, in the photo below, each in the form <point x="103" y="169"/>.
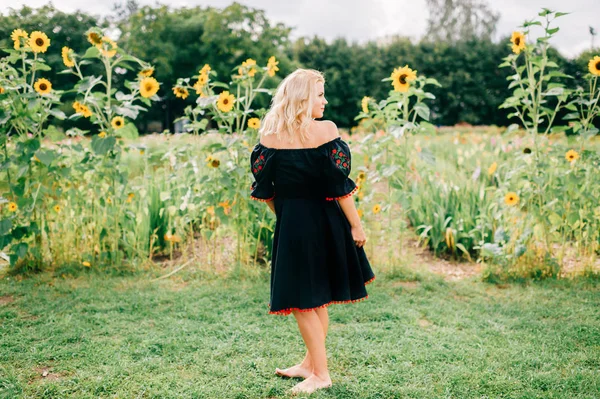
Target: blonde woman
<point x="301" y="168"/>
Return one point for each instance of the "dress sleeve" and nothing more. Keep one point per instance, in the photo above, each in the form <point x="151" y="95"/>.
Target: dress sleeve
<point x="337" y="169"/>
<point x="261" y="165"/>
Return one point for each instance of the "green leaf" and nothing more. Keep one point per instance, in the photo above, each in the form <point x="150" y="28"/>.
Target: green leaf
<point x="5" y="226"/>
<point x="18" y="251"/>
<point x="129" y="131"/>
<point x="58" y="114"/>
<point x="552" y="31"/>
<point x="45" y="156"/>
<point x="102" y="145"/>
<point x="92" y="52"/>
<point x="41" y="66"/>
<point x="422" y="110"/>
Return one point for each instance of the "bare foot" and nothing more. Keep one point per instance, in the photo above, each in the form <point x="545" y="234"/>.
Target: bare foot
<point x="311" y="384"/>
<point x="294" y="371"/>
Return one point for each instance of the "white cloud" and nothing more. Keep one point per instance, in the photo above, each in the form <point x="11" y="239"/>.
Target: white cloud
<point x="368" y="20"/>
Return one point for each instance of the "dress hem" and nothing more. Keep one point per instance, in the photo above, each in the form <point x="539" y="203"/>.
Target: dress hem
<point x="262" y="200"/>
<point x="287" y="312"/>
<point x="343" y="196"/>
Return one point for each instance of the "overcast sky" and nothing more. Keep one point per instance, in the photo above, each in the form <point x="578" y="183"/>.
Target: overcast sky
<point x="364" y="20"/>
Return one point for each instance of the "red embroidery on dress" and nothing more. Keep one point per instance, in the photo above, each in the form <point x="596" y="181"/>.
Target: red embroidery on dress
<point x="286" y="312"/>
<point x="341" y="160"/>
<point x="258" y="164"/>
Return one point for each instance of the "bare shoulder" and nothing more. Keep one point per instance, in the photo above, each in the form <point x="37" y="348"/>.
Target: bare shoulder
<point x="269" y="140"/>
<point x="328" y="130"/>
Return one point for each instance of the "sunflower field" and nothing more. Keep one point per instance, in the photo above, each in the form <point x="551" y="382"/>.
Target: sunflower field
<point x="523" y="200"/>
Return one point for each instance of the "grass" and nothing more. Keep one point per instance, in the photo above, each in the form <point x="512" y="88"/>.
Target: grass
<point x="196" y="337"/>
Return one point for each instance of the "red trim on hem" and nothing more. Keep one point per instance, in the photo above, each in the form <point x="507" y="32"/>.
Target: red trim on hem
<point x="262" y="200"/>
<point x="343" y="196"/>
<point x="287" y="312"/>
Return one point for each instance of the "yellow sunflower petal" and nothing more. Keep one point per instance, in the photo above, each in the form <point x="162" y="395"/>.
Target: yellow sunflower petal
<point x="148" y="87"/>
<point x="39" y="42"/>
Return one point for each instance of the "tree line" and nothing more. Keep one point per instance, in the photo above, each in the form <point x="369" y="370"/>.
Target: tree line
<point x="180" y="41"/>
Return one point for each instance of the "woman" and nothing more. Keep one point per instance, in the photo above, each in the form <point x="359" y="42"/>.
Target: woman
<point x="301" y="168"/>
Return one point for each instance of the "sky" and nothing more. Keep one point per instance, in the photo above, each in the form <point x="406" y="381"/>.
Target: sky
<point x="360" y="20"/>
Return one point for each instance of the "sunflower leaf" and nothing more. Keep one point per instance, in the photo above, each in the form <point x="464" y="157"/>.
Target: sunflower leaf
<point x="92" y="52"/>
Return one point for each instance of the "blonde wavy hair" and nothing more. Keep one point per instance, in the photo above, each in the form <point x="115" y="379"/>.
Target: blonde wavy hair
<point x="291" y="108"/>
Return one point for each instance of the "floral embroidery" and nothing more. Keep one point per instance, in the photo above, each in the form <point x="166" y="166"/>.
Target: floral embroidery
<point x="341" y="160"/>
<point x="259" y="164"/>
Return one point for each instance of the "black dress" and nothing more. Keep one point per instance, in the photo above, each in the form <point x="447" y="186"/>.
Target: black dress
<point x="315" y="261"/>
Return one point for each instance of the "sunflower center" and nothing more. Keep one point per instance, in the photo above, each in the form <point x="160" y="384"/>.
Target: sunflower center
<point x="517" y="41"/>
<point x="118" y="123"/>
<point x="39" y="41"/>
<point x="225" y="101"/>
<point x="43" y="86"/>
<point x="598" y="65"/>
<point x="148" y="87"/>
<point x="402" y="79"/>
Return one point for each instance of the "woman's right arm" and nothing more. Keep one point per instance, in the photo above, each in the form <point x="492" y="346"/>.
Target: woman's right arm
<point x="349" y="209"/>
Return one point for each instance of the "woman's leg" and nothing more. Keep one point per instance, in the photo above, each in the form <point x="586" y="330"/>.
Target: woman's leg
<point x="305" y="368"/>
<point x="313" y="335"/>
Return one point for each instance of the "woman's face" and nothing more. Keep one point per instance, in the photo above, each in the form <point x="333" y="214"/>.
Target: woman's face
<point x="319" y="101"/>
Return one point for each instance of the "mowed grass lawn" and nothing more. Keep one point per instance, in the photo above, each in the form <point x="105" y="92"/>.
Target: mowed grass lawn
<point x="198" y="337"/>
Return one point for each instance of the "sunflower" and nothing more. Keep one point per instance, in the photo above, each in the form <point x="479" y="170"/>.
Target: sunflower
<point x="571" y="155"/>
<point x="66" y="56"/>
<point x="205" y="70"/>
<point x="94" y="38"/>
<point x="365" y="104"/>
<point x="360" y="213"/>
<point x="82" y="109"/>
<point x="43" y="86"/>
<point x="215" y="163"/>
<point x="86" y="264"/>
<point x="1" y="90"/>
<point x="518" y="41"/>
<point x="376" y="209"/>
<point x="253" y="123"/>
<point x="594" y="66"/>
<point x="130" y="197"/>
<point x="198" y="87"/>
<point x="57" y="208"/>
<point x="12" y="207"/>
<point x="17" y="35"/>
<point x="511" y="199"/>
<point x="202" y="79"/>
<point x="401" y="78"/>
<point x="107" y="47"/>
<point x="226" y="206"/>
<point x="492" y="168"/>
<point x="148" y="87"/>
<point x="362" y="175"/>
<point x="146" y="72"/>
<point x="272" y="67"/>
<point x="39" y="42"/>
<point x="172" y="238"/>
<point x="102" y="135"/>
<point x="117" y="122"/>
<point x="181" y="92"/>
<point x="225" y="101"/>
<point x="248" y="66"/>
